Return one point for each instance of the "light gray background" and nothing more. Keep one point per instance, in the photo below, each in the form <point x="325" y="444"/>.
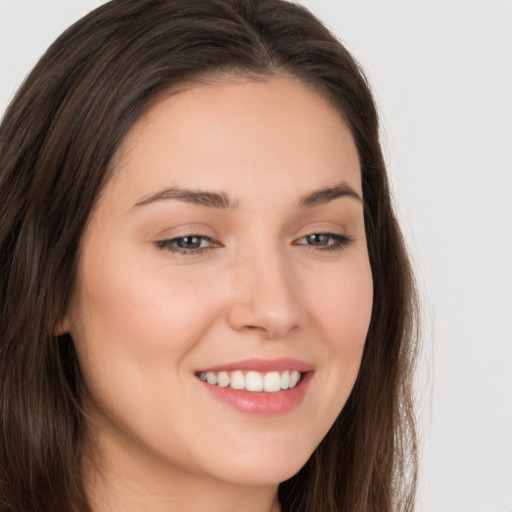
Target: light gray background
<point x="442" y="75"/>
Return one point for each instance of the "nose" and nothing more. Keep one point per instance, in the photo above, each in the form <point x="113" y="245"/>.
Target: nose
<point x="266" y="297"/>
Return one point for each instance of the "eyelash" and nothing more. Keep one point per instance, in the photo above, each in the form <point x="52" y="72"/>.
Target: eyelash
<point x="171" y="245"/>
<point x="340" y="241"/>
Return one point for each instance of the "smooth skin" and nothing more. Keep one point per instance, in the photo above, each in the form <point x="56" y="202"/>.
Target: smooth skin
<point x="167" y="286"/>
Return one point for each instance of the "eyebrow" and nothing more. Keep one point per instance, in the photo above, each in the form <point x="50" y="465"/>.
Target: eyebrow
<point x="325" y="195"/>
<point x="222" y="200"/>
<point x="194" y="196"/>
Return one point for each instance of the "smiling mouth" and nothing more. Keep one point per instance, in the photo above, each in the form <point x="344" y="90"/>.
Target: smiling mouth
<point x="252" y="381"/>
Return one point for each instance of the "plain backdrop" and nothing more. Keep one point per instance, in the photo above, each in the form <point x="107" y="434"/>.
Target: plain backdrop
<point x="441" y="71"/>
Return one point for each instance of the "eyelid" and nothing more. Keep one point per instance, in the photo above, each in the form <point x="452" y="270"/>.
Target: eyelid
<point x="184" y="230"/>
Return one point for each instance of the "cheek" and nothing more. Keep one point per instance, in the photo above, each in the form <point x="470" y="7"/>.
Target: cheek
<point x="144" y="311"/>
<point x="342" y="311"/>
<point x="133" y="331"/>
<point x="343" y="305"/>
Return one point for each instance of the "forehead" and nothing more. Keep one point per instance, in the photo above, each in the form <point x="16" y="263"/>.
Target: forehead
<point x="239" y="131"/>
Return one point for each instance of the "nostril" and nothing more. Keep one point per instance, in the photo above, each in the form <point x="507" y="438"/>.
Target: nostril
<point x="265" y="319"/>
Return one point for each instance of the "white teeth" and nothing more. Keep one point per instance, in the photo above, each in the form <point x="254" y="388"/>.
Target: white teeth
<point x="237" y="380"/>
<point x="254" y="381"/>
<point x="211" y="378"/>
<point x="223" y="379"/>
<point x="270" y="382"/>
<point x="294" y="378"/>
<point x="285" y="380"/>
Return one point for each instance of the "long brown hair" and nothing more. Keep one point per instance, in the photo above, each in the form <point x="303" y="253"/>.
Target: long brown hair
<point x="57" y="142"/>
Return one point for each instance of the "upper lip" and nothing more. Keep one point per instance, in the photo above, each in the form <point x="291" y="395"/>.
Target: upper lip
<point x="261" y="365"/>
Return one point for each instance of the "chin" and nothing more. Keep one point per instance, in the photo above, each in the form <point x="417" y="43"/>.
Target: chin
<point x="258" y="470"/>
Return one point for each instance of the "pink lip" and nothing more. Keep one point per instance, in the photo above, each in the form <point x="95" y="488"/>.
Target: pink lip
<point x="261" y="365"/>
<point x="263" y="404"/>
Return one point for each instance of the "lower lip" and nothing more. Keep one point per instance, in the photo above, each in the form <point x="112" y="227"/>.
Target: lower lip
<point x="262" y="403"/>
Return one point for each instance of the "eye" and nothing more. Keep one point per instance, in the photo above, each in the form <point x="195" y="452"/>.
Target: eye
<point x="325" y="241"/>
<point x="191" y="244"/>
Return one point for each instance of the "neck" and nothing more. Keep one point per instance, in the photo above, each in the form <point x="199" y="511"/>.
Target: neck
<point x="129" y="496"/>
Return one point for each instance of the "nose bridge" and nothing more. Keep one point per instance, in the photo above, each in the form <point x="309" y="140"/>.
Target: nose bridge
<point x="266" y="296"/>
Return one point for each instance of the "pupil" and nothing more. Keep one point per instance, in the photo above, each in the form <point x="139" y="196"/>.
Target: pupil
<point x="319" y="239"/>
<point x="189" y="242"/>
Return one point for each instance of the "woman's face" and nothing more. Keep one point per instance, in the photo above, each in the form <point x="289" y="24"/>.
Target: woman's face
<point x="229" y="246"/>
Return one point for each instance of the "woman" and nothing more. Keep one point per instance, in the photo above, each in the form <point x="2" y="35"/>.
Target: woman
<point x="205" y="296"/>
